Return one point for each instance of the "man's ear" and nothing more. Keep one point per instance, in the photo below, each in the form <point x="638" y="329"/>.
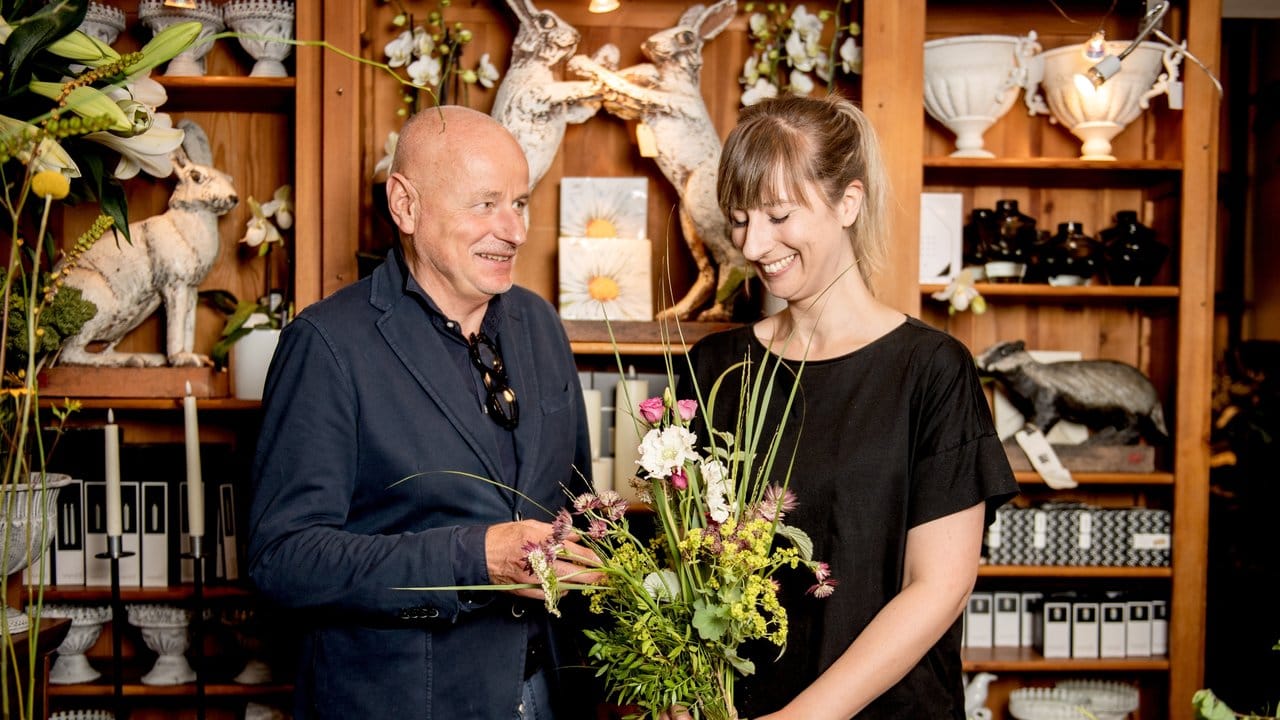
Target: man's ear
<point x="402" y="201"/>
<point x="850" y="204"/>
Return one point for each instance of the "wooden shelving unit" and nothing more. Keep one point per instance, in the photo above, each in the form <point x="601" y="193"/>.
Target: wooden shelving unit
<point x="1020" y="660"/>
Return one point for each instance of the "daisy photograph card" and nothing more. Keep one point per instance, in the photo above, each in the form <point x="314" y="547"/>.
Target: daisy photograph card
<point x="605" y="256"/>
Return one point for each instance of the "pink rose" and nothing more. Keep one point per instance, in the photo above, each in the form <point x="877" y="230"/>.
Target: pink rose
<point x="651" y="410"/>
<point x="686" y="408"/>
<point x="679" y="480"/>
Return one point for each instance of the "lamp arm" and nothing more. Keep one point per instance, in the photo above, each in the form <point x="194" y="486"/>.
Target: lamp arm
<point x="1149" y="23"/>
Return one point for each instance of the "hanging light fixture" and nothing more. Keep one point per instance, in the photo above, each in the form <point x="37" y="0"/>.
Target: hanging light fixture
<point x="1108" y="65"/>
<point x="184" y="4"/>
<point x="603" y="6"/>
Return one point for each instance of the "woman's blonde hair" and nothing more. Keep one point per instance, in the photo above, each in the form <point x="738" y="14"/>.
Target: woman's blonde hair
<point x="791" y="143"/>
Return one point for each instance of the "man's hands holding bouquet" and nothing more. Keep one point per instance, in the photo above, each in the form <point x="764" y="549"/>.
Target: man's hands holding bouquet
<point x="508" y="548"/>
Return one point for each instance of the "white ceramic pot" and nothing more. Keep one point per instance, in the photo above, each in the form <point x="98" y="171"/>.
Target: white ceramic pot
<point x="970" y="81"/>
<point x="164" y="630"/>
<point x="27" y="526"/>
<point x="1097" y="115"/>
<point x="250" y="358"/>
<point x="157" y="16"/>
<point x="262" y="19"/>
<point x="71" y="666"/>
<point x="103" y="22"/>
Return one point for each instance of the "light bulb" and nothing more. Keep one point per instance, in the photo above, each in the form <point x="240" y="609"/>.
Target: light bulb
<point x="184" y="4"/>
<point x="603" y="6"/>
<point x="1096" y="47"/>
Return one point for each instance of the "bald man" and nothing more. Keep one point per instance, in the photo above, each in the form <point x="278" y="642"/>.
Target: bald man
<point x="433" y="369"/>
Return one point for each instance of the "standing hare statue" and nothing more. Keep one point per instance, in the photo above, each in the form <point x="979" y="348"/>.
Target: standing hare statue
<point x="531" y="103"/>
<point x="665" y="95"/>
<point x="170" y="254"/>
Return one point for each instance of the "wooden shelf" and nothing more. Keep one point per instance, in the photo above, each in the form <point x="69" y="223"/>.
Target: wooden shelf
<point x="229" y="93"/>
<point x="1090" y="293"/>
<point x="1028" y="660"/>
<point x="1061" y="172"/>
<point x="158" y="404"/>
<point x="1073" y="571"/>
<point x="173" y="593"/>
<point x="1098" y="478"/>
<point x="592" y="337"/>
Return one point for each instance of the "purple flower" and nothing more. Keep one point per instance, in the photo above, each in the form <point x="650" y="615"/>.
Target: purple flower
<point x="822" y="571"/>
<point x="561" y="527"/>
<point x="652" y="410"/>
<point x="776" y="503"/>
<point x="597" y="529"/>
<point x="823" y="589"/>
<point x="687" y="409"/>
<point x="585" y="502"/>
<point x="679" y="480"/>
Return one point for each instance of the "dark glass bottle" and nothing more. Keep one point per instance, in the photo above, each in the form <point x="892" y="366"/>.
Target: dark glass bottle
<point x="1070" y="257"/>
<point x="977" y="236"/>
<point x="1133" y="255"/>
<point x="1009" y="247"/>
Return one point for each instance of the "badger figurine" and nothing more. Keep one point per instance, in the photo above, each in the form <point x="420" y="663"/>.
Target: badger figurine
<point x="1114" y="400"/>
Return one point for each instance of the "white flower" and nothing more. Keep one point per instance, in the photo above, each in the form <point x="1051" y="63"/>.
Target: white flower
<point x="718" y="491"/>
<point x="663" y="450"/>
<point x="422" y="42"/>
<point x="758" y="23"/>
<point x="424" y="72"/>
<point x="751" y="70"/>
<point x="761" y="90"/>
<point x="49" y="155"/>
<point x="488" y="74"/>
<point x="800" y="83"/>
<point x="148" y="151"/>
<point x="400" y="51"/>
<point x="822" y="67"/>
<point x="259" y="229"/>
<point x="806" y="23"/>
<point x="662" y="585"/>
<point x="281" y="206"/>
<point x="962" y="294"/>
<point x="798" y="52"/>
<point x="389" y="148"/>
<point x="850" y="56"/>
<point x="147" y="91"/>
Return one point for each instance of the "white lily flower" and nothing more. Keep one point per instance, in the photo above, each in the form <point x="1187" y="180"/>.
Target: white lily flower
<point x="761" y="90"/>
<point x="149" y="151"/>
<point x="488" y="74"/>
<point x="147" y="91"/>
<point x="664" y="450"/>
<point x="424" y="72"/>
<point x="389" y="150"/>
<point x="48" y="155"/>
<point x="400" y="51"/>
<point x="800" y="83"/>
<point x="850" y="56"/>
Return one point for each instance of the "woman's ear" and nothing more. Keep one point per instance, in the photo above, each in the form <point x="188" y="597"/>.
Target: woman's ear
<point x="850" y="203"/>
<point x="402" y="201"/>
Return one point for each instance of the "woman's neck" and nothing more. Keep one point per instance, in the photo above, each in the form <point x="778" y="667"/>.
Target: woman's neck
<point x="837" y="322"/>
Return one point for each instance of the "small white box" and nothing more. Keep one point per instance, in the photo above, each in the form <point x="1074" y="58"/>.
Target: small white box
<point x="1007" y="622"/>
<point x="1159" y="627"/>
<point x="1137" y="631"/>
<point x="1084" y="630"/>
<point x="1057" y="629"/>
<point x="941" y="236"/>
<point x="979" y="622"/>
<point x="1111" y="631"/>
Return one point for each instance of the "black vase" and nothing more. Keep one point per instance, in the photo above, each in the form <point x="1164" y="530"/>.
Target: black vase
<point x="978" y="234"/>
<point x="1070" y="257"/>
<point x="1132" y="254"/>
<point x="1008" y="249"/>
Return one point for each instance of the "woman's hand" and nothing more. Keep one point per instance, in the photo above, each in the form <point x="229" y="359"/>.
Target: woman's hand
<point x="675" y="712"/>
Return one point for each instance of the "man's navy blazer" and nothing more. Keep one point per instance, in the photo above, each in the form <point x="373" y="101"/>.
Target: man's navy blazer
<point x="361" y="395"/>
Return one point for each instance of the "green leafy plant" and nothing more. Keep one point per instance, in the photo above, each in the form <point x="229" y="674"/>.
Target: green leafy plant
<point x="1207" y="706"/>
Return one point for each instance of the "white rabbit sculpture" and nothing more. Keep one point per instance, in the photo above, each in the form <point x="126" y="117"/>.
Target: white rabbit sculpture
<point x="531" y="103"/>
<point x="170" y="254"/>
<point x="666" y="96"/>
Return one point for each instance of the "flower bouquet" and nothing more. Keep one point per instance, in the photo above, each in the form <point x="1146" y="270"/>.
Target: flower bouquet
<point x="681" y="604"/>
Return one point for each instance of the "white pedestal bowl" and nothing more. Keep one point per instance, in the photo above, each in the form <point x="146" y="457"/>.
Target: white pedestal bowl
<point x="103" y="22"/>
<point x="164" y="630"/>
<point x="190" y="62"/>
<point x="1097" y="115"/>
<point x="971" y="81"/>
<point x="72" y="667"/>
<point x="27" y="526"/>
<point x="262" y="19"/>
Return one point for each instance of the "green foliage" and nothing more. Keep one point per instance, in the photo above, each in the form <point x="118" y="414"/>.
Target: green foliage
<point x="238" y="313"/>
<point x="67" y="312"/>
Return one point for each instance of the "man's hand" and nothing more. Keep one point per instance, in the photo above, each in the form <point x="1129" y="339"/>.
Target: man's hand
<point x="675" y="712"/>
<point x="506" y="546"/>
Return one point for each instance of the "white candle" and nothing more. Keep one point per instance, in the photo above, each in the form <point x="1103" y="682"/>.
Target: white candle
<point x="111" y="444"/>
<point x="593" y="401"/>
<point x="195" y="486"/>
<point x="627" y="433"/>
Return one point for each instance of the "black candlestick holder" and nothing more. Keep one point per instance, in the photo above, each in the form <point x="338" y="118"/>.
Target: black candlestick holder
<point x="115" y="551"/>
<point x="197" y="620"/>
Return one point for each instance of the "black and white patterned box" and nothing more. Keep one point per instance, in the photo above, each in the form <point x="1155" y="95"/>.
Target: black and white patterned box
<point x="1149" y="537"/>
<point x="1111" y="538"/>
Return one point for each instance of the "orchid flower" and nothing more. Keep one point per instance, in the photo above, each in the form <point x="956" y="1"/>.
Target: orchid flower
<point x="761" y="90"/>
<point x="389" y="153"/>
<point x="486" y="73"/>
<point x="281" y="207"/>
<point x="259" y="231"/>
<point x="850" y="56"/>
<point x="399" y="52"/>
<point x="800" y="83"/>
<point x="425" y="71"/>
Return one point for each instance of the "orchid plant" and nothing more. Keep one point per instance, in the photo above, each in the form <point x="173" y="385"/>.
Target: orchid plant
<point x="431" y="55"/>
<point x="788" y="50"/>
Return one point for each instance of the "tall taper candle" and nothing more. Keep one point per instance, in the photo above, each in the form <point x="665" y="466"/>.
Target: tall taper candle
<point x="593" y="401"/>
<point x="627" y="432"/>
<point x="195" y="486"/>
<point x="111" y="458"/>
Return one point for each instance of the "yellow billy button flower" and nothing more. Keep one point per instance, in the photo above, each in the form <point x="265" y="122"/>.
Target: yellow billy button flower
<point x="50" y="184"/>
